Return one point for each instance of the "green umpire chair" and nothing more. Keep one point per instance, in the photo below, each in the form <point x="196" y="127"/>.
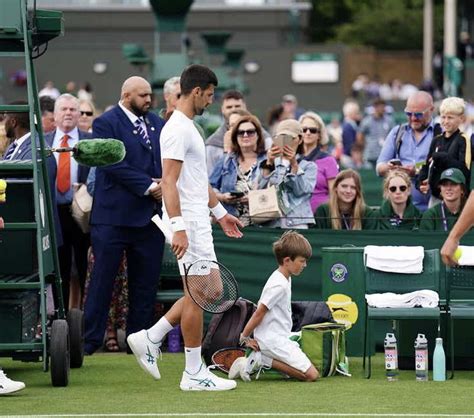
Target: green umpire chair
<point x="380" y="282"/>
<point x="459" y="278"/>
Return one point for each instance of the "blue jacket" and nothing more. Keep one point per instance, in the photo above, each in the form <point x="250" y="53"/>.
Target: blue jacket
<point x="119" y="195"/>
<point x="295" y="193"/>
<point x="224" y="175"/>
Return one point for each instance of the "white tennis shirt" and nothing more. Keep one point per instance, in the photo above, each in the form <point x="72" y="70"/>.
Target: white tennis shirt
<point x="180" y="140"/>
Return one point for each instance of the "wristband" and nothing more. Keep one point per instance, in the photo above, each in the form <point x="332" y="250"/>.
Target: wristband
<point x="177" y="224"/>
<point x="243" y="340"/>
<point x="219" y="211"/>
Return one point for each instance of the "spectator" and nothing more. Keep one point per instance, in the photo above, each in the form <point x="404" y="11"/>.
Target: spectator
<point x="47" y="114"/>
<point x="235" y="174"/>
<point x="373" y="131"/>
<point x="291" y="110"/>
<point x="360" y="86"/>
<point x="49" y="90"/>
<point x="451" y="149"/>
<point x="171" y="95"/>
<point x="126" y="196"/>
<point x="275" y="116"/>
<point x="66" y="117"/>
<point x="85" y="92"/>
<point x="231" y="100"/>
<point x="232" y="119"/>
<point x="397" y="211"/>
<point x="407" y="145"/>
<point x="346" y="208"/>
<point x="292" y="175"/>
<point x="351" y="113"/>
<point x="87" y="111"/>
<point x="314" y="137"/>
<point x="453" y="192"/>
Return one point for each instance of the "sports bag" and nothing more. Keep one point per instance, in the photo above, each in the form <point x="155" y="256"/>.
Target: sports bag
<point x="309" y="312"/>
<point x="224" y="329"/>
<point x="325" y="346"/>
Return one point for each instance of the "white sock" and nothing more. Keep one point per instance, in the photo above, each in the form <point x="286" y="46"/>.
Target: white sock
<point x="267" y="361"/>
<point x="193" y="359"/>
<point x="158" y="331"/>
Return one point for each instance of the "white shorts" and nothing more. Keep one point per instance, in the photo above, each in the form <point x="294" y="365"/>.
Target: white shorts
<point x="201" y="243"/>
<point x="288" y="352"/>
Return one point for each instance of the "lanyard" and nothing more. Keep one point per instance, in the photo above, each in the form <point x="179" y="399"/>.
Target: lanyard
<point x="346" y="224"/>
<point x="445" y="221"/>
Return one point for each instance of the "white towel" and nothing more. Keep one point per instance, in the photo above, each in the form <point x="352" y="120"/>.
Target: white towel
<point x="424" y="298"/>
<point x="467" y="256"/>
<point x="395" y="259"/>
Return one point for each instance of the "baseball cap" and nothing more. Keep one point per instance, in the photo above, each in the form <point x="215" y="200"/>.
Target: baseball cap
<point x="453" y="174"/>
<point x="289" y="127"/>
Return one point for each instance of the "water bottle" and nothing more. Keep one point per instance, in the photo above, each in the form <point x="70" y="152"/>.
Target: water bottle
<point x="439" y="362"/>
<point x="391" y="357"/>
<point x="174" y="340"/>
<point x="421" y="358"/>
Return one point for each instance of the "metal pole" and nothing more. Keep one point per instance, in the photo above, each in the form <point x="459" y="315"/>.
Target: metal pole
<point x="450" y="28"/>
<point x="428" y="40"/>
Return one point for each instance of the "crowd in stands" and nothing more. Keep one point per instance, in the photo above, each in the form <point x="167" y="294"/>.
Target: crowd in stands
<point x="424" y="165"/>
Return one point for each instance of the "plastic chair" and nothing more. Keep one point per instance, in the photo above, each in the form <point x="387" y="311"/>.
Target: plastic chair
<point x="381" y="282"/>
<point x="458" y="278"/>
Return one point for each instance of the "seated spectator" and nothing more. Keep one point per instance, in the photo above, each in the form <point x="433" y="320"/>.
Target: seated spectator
<point x="451" y="149"/>
<point x="453" y="192"/>
<point x="346" y="208"/>
<point x="397" y="211"/>
<point x="350" y="127"/>
<point x="234" y="116"/>
<point x="235" y="173"/>
<point x="314" y="137"/>
<point x="87" y="110"/>
<point x="293" y="176"/>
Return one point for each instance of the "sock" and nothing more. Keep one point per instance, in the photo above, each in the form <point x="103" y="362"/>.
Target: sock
<point x="193" y="359"/>
<point x="266" y="361"/>
<point x="158" y="331"/>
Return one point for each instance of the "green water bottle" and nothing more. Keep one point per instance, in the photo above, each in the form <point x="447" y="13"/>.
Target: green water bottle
<point x="439" y="362"/>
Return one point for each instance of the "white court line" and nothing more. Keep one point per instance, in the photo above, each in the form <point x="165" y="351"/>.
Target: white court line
<point x="256" y="414"/>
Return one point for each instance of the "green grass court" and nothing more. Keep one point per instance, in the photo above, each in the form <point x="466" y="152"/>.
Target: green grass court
<point x="114" y="385"/>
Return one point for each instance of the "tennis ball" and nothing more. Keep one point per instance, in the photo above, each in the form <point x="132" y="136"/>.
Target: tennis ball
<point x="457" y="254"/>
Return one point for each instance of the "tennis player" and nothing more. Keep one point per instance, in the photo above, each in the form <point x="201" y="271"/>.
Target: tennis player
<point x="187" y="199"/>
<point x="271" y="323"/>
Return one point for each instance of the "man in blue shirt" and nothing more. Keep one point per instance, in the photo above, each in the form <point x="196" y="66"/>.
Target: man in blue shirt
<point x="407" y="145"/>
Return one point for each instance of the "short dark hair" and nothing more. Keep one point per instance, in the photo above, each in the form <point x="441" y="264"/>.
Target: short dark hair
<point x="22" y="118"/>
<point x="46" y="104"/>
<point x="196" y="76"/>
<point x="232" y="94"/>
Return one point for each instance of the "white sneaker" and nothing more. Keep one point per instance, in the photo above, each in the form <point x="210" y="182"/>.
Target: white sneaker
<point x="238" y="369"/>
<point x="147" y="352"/>
<point x="9" y="386"/>
<point x="254" y="365"/>
<point x="205" y="380"/>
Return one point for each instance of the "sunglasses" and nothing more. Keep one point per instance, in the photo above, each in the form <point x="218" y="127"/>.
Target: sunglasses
<point x="393" y="189"/>
<point x="311" y="130"/>
<point x="416" y="115"/>
<point x="248" y="132"/>
<point x="86" y="113"/>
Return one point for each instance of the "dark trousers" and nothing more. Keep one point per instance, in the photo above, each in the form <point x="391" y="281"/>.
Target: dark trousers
<point x="74" y="241"/>
<point x="144" y="251"/>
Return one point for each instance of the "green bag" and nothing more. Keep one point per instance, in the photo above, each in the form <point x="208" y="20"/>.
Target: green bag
<point x="325" y="346"/>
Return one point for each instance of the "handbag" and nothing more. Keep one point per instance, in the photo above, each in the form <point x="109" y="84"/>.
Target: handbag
<point x="263" y="205"/>
<point x="81" y="207"/>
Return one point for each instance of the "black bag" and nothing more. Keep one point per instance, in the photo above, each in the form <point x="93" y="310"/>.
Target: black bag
<point x="224" y="329"/>
<point x="311" y="312"/>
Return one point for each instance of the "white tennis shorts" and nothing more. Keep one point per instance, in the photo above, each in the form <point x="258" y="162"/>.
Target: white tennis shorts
<point x="200" y="241"/>
<point x="287" y="351"/>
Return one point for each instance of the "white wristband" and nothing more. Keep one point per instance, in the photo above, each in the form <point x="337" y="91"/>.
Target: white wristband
<point x="177" y="224"/>
<point x="219" y="211"/>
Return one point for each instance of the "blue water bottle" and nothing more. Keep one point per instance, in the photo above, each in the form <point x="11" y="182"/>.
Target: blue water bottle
<point x="439" y="362"/>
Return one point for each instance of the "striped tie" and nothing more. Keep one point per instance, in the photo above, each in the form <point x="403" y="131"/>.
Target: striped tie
<point x="142" y="132"/>
<point x="11" y="149"/>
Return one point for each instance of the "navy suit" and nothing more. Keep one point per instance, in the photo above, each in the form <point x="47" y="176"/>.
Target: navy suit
<point x="121" y="221"/>
<point x="74" y="240"/>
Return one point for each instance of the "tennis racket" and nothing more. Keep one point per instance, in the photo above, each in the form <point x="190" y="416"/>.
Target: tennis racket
<point x="225" y="357"/>
<point x="211" y="285"/>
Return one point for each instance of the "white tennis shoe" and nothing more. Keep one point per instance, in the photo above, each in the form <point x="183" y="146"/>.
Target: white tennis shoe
<point x="238" y="369"/>
<point x="9" y="386"/>
<point x="147" y="352"/>
<point x="204" y="380"/>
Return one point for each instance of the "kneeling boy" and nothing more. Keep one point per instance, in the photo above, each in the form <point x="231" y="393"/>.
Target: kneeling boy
<point x="271" y="323"/>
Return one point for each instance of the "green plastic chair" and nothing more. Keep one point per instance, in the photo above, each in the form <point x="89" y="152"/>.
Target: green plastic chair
<point x="458" y="278"/>
<point x="381" y="282"/>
